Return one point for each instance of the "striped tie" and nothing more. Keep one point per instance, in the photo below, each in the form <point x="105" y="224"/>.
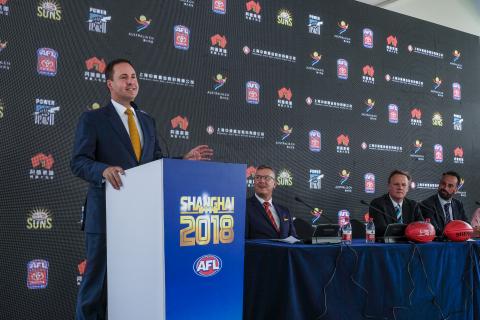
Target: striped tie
<point x="446" y="208"/>
<point x="398" y="214"/>
<point x="134" y="136"/>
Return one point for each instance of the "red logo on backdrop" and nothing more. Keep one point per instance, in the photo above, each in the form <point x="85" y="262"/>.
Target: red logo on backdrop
<point x="458" y="152"/>
<point x="285" y="93"/>
<point x="251" y="171"/>
<point x="416" y="113"/>
<point x="343" y="140"/>
<point x="82" y="266"/>
<point x="438" y="153"/>
<point x="392" y="41"/>
<point x="2" y="2"/>
<point x="369" y="182"/>
<point x="181" y="37"/>
<point x="219" y="6"/>
<point x="368" y="38"/>
<point x="218" y="40"/>
<point x="368" y="70"/>
<point x="43" y="161"/>
<point x="253" y="92"/>
<point x="392" y="113"/>
<point x="179" y="122"/>
<point x="81" y="270"/>
<point x="254" y="6"/>
<point x="207" y="265"/>
<point x="342" y="69"/>
<point x="457" y="91"/>
<point x="37" y="274"/>
<point x="47" y="62"/>
<point x="315" y="141"/>
<point x="366" y="216"/>
<point x="96" y="64"/>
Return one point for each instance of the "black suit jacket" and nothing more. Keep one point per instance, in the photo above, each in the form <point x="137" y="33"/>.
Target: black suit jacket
<point x="258" y="225"/>
<point x="410" y="212"/>
<point x="432" y="208"/>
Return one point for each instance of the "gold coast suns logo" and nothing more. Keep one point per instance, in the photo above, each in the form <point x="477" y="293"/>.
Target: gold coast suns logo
<point x="206" y="219"/>
<point x="49" y="9"/>
<point x="284" y="17"/>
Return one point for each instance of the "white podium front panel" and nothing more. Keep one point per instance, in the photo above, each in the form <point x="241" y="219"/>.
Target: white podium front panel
<point x="135" y="245"/>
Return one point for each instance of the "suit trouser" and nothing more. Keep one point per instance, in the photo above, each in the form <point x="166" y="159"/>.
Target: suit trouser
<point x="92" y="295"/>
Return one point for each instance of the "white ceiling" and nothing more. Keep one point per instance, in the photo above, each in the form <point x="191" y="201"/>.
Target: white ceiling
<point x="378" y="3"/>
<point x="463" y="15"/>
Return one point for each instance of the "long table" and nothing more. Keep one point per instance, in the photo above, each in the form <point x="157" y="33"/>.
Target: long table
<point x="439" y="280"/>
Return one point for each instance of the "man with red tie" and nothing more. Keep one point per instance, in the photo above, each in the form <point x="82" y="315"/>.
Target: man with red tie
<point x="108" y="141"/>
<point x="266" y="219"/>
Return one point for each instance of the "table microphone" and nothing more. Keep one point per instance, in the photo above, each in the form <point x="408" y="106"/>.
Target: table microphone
<point x="379" y="210"/>
<point x="314" y="209"/>
<point x="477" y="203"/>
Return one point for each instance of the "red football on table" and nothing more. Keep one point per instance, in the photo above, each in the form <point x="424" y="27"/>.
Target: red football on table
<point x="420" y="231"/>
<point x="458" y="230"/>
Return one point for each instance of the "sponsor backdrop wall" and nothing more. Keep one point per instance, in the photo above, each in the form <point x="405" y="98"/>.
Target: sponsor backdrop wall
<point x="333" y="94"/>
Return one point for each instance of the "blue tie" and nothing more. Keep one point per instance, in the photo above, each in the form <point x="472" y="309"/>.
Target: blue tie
<point x="398" y="214"/>
<point x="446" y="208"/>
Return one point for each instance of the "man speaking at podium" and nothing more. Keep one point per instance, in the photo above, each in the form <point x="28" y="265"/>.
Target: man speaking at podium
<point x="394" y="207"/>
<point x="108" y="141"/>
<point x="266" y="219"/>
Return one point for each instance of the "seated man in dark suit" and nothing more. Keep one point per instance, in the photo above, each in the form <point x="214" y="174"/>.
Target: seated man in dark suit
<point x="441" y="208"/>
<point x="266" y="219"/>
<point x="394" y="207"/>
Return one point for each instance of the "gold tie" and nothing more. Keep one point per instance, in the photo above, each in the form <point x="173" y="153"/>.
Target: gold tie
<point x="134" y="136"/>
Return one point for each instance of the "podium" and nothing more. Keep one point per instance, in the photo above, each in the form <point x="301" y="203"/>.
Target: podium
<point x="175" y="241"/>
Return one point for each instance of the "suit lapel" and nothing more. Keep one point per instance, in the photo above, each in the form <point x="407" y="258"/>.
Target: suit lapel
<point x="455" y="211"/>
<point x="280" y="217"/>
<point x="146" y="135"/>
<point x="389" y="210"/>
<point x="409" y="214"/>
<point x="119" y="128"/>
<point x="260" y="209"/>
<point x="439" y="209"/>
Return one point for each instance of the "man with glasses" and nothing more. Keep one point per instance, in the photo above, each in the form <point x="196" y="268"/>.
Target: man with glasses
<point x="266" y="219"/>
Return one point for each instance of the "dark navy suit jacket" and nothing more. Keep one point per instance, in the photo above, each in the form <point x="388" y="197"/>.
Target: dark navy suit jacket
<point x="410" y="212"/>
<point x="101" y="141"/>
<point x="258" y="225"/>
<point x="432" y="208"/>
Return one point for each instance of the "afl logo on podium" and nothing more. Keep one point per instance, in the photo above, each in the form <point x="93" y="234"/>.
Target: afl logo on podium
<point x="207" y="265"/>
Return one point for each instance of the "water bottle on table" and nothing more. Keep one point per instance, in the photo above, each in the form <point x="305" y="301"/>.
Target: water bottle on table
<point x="370" y="231"/>
<point x="347" y="233"/>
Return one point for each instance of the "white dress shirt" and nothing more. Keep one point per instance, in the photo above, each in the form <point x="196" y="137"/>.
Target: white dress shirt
<point x="397" y="204"/>
<point x="121" y="113"/>
<point x="443" y="202"/>
<point x="272" y="209"/>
